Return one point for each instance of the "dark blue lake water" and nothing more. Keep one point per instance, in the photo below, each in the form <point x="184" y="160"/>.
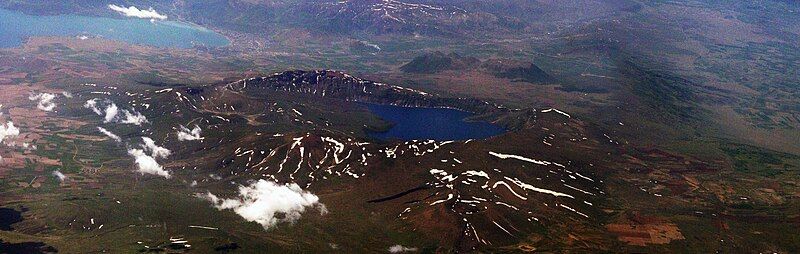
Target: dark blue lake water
<point x="16" y="26"/>
<point x="431" y="123"/>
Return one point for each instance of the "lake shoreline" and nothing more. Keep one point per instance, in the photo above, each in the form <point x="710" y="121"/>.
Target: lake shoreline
<point x="18" y="27"/>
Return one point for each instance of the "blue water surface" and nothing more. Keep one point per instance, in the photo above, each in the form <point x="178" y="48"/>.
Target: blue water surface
<point x="431" y="123"/>
<point x="16" y="26"/>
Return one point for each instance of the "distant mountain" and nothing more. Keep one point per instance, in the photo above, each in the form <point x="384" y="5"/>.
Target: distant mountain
<point x="517" y="71"/>
<point x="395" y="17"/>
<point x="436" y="62"/>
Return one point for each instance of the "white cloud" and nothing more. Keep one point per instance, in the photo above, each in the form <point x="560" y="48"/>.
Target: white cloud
<point x="109" y="134"/>
<point x="132" y="11"/>
<point x="133" y="118"/>
<point x="147" y="164"/>
<point x="268" y="203"/>
<point x="92" y="104"/>
<point x="45" y="101"/>
<point x="155" y="150"/>
<point x="66" y="94"/>
<point x="61" y="177"/>
<point x="186" y="134"/>
<point x="400" y="248"/>
<point x="111" y="113"/>
<point x="7" y="130"/>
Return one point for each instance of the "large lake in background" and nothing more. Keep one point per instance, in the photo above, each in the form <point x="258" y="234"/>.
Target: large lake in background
<point x="431" y="123"/>
<point x="16" y="26"/>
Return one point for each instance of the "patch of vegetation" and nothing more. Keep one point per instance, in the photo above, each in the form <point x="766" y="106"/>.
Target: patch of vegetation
<point x="751" y="159"/>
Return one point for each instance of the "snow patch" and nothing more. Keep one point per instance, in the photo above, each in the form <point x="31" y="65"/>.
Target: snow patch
<point x="557" y="111"/>
<point x="517" y="157"/>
